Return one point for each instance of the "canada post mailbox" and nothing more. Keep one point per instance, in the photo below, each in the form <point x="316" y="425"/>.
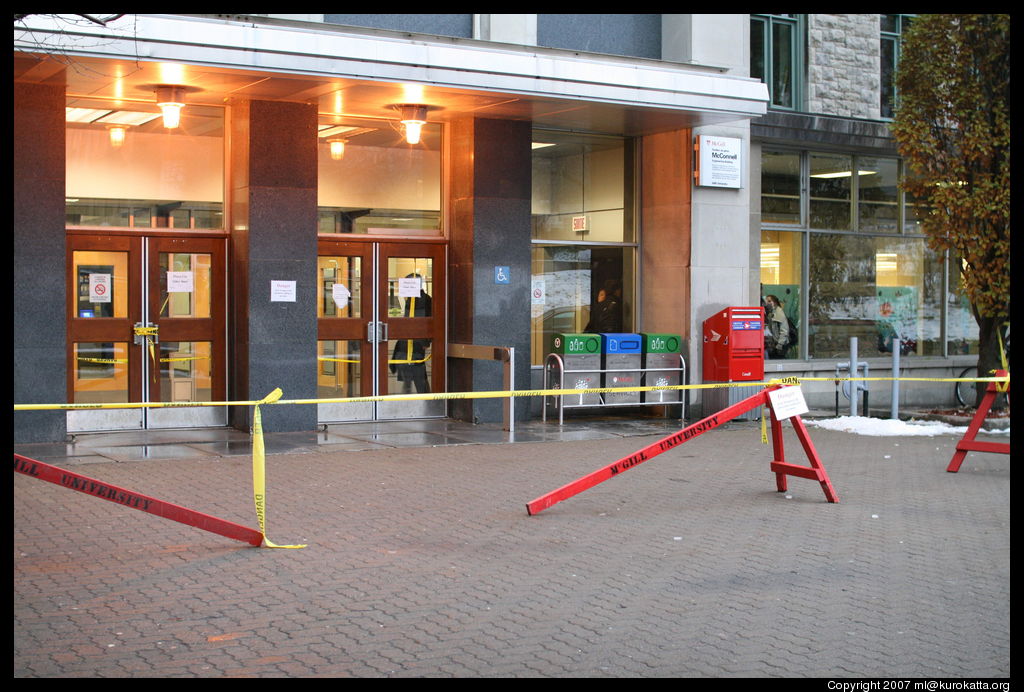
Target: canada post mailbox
<point x="734" y="345"/>
<point x="622" y="362"/>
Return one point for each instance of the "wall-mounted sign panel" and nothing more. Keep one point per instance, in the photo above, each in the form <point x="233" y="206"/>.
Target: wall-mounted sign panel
<point x="718" y="162"/>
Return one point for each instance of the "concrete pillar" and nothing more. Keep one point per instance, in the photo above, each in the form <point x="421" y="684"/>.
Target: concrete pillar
<point x="39" y="286"/>
<point x="519" y="29"/>
<point x="273" y="192"/>
<point x="697" y="39"/>
<point x="490" y="227"/>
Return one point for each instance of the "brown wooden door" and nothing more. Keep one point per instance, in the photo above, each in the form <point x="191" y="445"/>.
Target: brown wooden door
<point x="146" y="323"/>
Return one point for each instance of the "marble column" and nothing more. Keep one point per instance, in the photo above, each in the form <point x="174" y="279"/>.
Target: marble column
<point x="490" y="229"/>
<point x="273" y="192"/>
<point x="39" y="301"/>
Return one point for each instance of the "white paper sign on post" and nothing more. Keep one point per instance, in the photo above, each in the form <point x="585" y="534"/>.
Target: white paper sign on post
<point x="409" y="287"/>
<point x="179" y="282"/>
<point x="787" y="402"/>
<point x="282" y="291"/>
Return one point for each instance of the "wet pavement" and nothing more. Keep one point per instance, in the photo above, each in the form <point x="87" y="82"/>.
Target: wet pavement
<point x="421" y="560"/>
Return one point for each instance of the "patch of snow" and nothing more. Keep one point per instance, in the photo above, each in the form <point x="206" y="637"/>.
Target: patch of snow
<point x="883" y="427"/>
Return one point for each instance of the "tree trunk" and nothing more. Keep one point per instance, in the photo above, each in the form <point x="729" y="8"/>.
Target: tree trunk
<point x="989" y="357"/>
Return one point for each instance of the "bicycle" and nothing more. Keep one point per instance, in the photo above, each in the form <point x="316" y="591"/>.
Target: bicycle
<point x="965" y="391"/>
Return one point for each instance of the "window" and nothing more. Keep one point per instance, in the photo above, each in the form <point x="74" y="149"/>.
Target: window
<point x="124" y="169"/>
<point x="892" y="28"/>
<point x="776" y="57"/>
<point x="842" y="256"/>
<point x="584" y="249"/>
<point x="370" y="181"/>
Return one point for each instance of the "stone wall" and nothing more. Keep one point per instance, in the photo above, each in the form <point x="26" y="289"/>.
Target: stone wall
<point x="843" y="65"/>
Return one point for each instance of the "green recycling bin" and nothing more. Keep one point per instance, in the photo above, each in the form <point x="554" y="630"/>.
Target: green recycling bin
<point x="581" y="362"/>
<point x="662" y="367"/>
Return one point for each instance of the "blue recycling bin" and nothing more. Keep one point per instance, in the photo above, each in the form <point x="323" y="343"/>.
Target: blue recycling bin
<point x="622" y="361"/>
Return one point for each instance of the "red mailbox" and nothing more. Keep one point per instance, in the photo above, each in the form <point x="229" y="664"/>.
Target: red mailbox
<point x="734" y="345"/>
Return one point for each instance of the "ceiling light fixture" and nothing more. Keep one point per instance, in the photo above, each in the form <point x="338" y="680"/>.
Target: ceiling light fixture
<point x="414" y="117"/>
<point x="337" y="148"/>
<point x="117" y="133"/>
<point x="171" y="100"/>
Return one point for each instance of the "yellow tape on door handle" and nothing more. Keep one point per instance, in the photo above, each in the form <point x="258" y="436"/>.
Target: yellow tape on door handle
<point x="259" y="470"/>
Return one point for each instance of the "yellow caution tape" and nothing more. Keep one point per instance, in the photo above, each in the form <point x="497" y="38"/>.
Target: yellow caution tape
<point x="506" y="394"/>
<point x="390" y="361"/>
<point x="259" y="469"/>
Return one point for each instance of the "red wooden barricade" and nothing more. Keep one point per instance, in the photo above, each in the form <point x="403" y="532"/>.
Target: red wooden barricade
<point x="130" y="498"/>
<point x="968" y="443"/>
<point x="781" y="468"/>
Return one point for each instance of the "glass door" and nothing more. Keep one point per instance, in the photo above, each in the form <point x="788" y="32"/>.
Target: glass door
<point x="381" y="328"/>
<point x="185" y="281"/>
<point x="145" y="324"/>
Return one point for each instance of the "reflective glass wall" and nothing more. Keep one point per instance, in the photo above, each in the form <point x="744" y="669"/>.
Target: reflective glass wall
<point x="842" y="256"/>
<point x="584" y="237"/>
<point x="373" y="181"/>
<point x="126" y="169"/>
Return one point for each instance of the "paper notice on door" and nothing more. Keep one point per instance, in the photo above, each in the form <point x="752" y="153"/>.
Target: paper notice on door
<point x="341" y="294"/>
<point x="409" y="287"/>
<point x="282" y="291"/>
<point x="99" y="288"/>
<point x="179" y="282"/>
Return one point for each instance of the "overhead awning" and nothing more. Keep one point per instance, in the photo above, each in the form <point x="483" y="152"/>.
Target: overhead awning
<point x="232" y="57"/>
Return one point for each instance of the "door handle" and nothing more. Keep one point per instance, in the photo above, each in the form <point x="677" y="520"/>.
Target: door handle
<point x="376" y="332"/>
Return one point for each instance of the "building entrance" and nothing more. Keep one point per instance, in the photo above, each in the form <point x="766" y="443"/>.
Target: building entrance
<point x="146" y="323"/>
<point x="381" y="310"/>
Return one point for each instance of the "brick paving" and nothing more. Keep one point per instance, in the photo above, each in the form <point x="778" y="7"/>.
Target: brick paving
<point x="422" y="562"/>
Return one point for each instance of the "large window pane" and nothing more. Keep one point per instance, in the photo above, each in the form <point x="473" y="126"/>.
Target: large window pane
<point x="101" y="284"/>
<point x="961" y="327"/>
<point x="339" y="286"/>
<point x="577" y="289"/>
<point x="152" y="177"/>
<point x="582" y="188"/>
<point x="829" y="186"/>
<point x="339" y="369"/>
<point x="757" y="47"/>
<point x="783" y="50"/>
<point x="780" y="187"/>
<point x="101" y="373"/>
<point x="878" y="195"/>
<point x="888" y="76"/>
<point x="780" y="293"/>
<point x="873" y="289"/>
<point x="372" y="181"/>
<point x="185" y="371"/>
<point x="185" y="284"/>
